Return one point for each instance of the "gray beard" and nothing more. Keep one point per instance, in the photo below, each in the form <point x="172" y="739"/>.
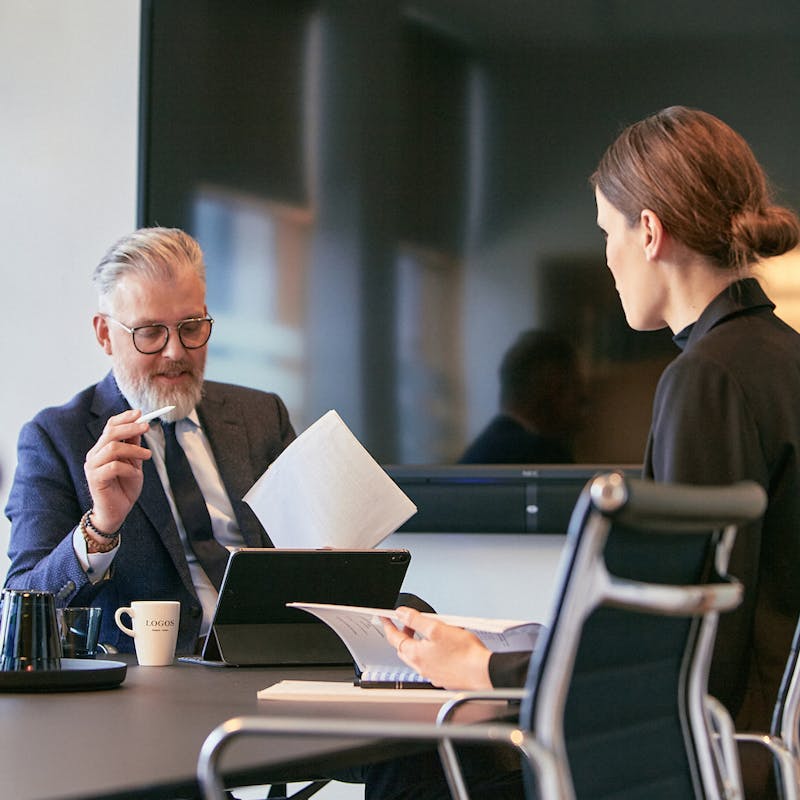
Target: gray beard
<point x="141" y="394"/>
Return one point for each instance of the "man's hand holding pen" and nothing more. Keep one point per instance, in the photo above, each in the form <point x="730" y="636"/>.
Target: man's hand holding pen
<point x="113" y="470"/>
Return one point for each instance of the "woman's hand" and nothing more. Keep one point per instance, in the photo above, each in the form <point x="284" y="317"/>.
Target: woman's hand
<point x="450" y="657"/>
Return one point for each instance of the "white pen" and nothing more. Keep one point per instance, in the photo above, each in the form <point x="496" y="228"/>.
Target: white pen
<point x="153" y="414"/>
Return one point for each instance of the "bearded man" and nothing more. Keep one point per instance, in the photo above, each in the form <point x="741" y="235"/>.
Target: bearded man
<point x="97" y="515"/>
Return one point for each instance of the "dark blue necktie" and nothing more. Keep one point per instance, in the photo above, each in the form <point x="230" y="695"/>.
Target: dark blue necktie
<point x="192" y="508"/>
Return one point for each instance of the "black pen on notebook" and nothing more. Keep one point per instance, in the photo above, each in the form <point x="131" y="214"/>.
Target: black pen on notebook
<point x="153" y="414"/>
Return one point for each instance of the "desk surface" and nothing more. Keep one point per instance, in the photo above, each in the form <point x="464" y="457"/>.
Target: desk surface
<point x="142" y="739"/>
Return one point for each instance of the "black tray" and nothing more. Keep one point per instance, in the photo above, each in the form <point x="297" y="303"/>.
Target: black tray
<point x="76" y="674"/>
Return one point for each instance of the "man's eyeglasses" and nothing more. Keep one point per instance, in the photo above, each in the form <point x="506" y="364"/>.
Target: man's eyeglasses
<point x="151" y="339"/>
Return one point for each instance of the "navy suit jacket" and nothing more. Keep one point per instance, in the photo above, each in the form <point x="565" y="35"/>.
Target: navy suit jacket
<point x="247" y="430"/>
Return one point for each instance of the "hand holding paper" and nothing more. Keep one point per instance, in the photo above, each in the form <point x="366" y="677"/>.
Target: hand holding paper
<point x="326" y="490"/>
<point x="376" y="660"/>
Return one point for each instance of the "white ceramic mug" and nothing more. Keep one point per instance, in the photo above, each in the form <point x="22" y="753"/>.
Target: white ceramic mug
<point x="155" y="630"/>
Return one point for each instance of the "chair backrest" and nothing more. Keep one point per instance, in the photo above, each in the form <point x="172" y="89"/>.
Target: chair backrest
<point x="641" y="586"/>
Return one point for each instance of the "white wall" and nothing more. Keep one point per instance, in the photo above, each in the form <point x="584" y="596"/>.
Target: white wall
<point x="69" y="96"/>
<point x="511" y="576"/>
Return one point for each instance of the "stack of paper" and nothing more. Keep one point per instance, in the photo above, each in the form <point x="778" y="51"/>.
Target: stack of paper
<point x="326" y="490"/>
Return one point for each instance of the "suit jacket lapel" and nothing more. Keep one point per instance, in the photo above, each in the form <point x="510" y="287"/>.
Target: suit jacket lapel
<point x="152" y="502"/>
<point x="107" y="402"/>
<point x="222" y="423"/>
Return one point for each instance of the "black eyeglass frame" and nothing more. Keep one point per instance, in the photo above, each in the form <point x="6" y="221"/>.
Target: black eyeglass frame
<point x="167" y="328"/>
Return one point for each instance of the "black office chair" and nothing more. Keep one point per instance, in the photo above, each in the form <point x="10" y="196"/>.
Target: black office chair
<point x="614" y="705"/>
<point x="783" y="739"/>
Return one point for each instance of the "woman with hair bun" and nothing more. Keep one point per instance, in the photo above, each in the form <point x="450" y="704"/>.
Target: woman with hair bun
<point x="687" y="215"/>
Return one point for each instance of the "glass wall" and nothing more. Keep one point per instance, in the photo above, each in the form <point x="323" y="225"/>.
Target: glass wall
<point x="389" y="192"/>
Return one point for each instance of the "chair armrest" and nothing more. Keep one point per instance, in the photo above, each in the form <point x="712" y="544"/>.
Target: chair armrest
<point x="788" y="768"/>
<point x="673" y="600"/>
<point x="542" y="763"/>
<point x="447" y="753"/>
<point x="721" y="736"/>
<point x="448" y="708"/>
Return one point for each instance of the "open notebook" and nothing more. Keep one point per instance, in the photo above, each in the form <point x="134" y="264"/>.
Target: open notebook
<point x="252" y="625"/>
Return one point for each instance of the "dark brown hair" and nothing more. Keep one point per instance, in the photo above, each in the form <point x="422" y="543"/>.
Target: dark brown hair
<point x="702" y="180"/>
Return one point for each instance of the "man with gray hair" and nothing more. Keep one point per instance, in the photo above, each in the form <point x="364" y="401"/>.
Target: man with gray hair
<point x="98" y="508"/>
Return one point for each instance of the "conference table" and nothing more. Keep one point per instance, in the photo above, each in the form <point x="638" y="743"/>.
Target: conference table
<point x="142" y="738"/>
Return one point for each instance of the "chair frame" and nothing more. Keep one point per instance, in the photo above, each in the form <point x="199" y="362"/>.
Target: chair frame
<point x="783" y="739"/>
<point x="607" y="499"/>
<point x="208" y="772"/>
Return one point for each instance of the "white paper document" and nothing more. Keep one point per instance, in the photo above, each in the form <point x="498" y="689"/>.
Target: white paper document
<point x="339" y="691"/>
<point x="361" y="630"/>
<point x="326" y="490"/>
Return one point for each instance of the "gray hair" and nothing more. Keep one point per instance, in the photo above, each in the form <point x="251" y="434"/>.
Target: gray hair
<point x="155" y="253"/>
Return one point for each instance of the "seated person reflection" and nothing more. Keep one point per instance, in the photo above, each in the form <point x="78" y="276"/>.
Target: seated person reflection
<point x="542" y="399"/>
<point x="687" y="214"/>
<point x="94" y="508"/>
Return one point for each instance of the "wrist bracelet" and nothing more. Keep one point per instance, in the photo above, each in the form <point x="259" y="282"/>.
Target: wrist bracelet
<point x="93" y="546"/>
<point x="86" y="525"/>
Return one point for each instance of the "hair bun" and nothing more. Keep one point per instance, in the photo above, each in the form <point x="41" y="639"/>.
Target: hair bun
<point x="762" y="234"/>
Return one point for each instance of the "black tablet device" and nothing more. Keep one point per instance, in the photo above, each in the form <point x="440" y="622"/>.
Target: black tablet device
<point x="252" y="625"/>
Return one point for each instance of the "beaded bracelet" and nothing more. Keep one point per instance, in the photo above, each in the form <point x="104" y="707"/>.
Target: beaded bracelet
<point x="86" y="524"/>
<point x="93" y="546"/>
